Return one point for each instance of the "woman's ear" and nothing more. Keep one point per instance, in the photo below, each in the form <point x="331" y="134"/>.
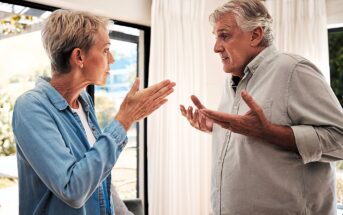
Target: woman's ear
<point x="256" y="36"/>
<point x="76" y="58"/>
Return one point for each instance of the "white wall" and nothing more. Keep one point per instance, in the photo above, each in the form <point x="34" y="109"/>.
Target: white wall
<point x="132" y="11"/>
<point x="334" y="11"/>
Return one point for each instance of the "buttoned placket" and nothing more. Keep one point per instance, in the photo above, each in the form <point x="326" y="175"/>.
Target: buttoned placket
<point x="235" y="110"/>
<point x="96" y="133"/>
<point x="104" y="189"/>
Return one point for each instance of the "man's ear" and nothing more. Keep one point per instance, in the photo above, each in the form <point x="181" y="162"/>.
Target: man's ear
<point x="256" y="36"/>
<point x="76" y="58"/>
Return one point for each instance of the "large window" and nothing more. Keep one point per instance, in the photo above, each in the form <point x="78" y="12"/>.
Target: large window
<point x="124" y="46"/>
<point x="336" y="76"/>
<point x="336" y="61"/>
<point x="23" y="59"/>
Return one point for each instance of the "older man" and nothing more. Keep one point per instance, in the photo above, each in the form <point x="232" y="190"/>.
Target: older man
<point x="279" y="126"/>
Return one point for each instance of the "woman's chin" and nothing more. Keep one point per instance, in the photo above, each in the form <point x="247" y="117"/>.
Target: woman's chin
<point x="101" y="84"/>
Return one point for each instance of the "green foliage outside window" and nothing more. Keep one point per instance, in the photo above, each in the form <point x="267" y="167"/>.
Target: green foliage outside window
<point x="336" y="72"/>
<point x="7" y="144"/>
<point x="336" y="63"/>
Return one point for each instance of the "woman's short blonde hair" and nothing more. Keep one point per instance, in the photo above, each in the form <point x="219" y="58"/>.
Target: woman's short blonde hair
<point x="65" y="30"/>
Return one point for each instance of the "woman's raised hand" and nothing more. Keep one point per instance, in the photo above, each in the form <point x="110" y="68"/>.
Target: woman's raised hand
<point x="138" y="104"/>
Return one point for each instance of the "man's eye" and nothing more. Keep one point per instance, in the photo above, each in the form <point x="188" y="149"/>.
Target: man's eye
<point x="224" y="36"/>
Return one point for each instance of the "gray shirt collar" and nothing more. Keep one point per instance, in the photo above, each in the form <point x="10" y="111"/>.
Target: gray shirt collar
<point x="254" y="64"/>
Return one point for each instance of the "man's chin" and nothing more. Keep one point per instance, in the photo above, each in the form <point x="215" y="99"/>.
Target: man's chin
<point x="226" y="70"/>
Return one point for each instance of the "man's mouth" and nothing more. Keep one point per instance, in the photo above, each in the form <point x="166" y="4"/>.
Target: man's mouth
<point x="224" y="59"/>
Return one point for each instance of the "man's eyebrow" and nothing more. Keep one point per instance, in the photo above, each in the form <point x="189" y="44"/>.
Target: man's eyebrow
<point x="221" y="30"/>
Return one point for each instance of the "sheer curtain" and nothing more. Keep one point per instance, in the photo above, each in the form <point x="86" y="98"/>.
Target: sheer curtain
<point x="300" y="27"/>
<point x="178" y="155"/>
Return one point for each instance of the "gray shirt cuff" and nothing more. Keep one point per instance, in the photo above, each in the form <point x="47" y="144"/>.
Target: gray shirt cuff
<point x="307" y="143"/>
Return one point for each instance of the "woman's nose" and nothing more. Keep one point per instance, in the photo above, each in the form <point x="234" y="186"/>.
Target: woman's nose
<point x="111" y="58"/>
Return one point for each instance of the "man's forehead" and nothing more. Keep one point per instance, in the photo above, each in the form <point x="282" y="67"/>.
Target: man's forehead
<point x="222" y="27"/>
<point x="226" y="22"/>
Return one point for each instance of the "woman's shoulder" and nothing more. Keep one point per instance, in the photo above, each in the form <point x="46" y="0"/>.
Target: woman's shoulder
<point x="30" y="98"/>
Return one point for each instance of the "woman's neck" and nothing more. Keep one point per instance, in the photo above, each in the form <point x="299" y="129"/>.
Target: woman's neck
<point x="69" y="86"/>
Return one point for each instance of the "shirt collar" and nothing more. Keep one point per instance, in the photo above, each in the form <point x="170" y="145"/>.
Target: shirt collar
<point x="56" y="98"/>
<point x="254" y="64"/>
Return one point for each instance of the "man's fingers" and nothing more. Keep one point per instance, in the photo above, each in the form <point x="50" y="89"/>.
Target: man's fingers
<point x="250" y="101"/>
<point x="197" y="102"/>
<point x="183" y="110"/>
<point x="218" y="116"/>
<point x="196" y="119"/>
<point x="190" y="114"/>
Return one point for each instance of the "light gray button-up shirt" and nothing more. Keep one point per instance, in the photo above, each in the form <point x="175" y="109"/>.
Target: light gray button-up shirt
<point x="252" y="176"/>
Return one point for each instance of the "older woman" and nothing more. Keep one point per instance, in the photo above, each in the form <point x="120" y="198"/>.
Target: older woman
<point x="64" y="159"/>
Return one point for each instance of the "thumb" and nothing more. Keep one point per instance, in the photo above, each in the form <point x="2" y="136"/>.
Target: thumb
<point x="134" y="87"/>
<point x="197" y="102"/>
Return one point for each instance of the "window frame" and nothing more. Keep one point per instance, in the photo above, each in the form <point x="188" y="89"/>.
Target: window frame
<point x="333" y="30"/>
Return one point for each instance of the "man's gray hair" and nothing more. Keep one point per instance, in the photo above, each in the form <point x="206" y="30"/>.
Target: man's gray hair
<point x="65" y="30"/>
<point x="249" y="14"/>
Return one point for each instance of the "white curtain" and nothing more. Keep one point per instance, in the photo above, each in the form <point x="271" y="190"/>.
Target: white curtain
<point x="300" y="27"/>
<point x="178" y="155"/>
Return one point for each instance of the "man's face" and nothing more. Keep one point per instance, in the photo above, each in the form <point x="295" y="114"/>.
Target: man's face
<point x="233" y="45"/>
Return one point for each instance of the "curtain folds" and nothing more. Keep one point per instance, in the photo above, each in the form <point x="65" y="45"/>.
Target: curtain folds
<point x="178" y="155"/>
<point x="300" y="27"/>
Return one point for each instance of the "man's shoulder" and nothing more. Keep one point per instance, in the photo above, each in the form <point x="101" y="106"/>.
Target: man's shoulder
<point x="290" y="58"/>
<point x="284" y="60"/>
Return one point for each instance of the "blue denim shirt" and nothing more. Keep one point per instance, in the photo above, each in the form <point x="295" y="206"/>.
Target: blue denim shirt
<point x="59" y="173"/>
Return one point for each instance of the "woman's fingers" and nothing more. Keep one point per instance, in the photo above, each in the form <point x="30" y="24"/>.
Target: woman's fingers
<point x="163" y="92"/>
<point x="134" y="87"/>
<point x="157" y="87"/>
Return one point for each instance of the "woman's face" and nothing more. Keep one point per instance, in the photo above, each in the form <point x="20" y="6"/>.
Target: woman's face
<point x="96" y="63"/>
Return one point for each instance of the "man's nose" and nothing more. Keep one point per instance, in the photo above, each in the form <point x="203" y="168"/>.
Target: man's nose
<point x="217" y="47"/>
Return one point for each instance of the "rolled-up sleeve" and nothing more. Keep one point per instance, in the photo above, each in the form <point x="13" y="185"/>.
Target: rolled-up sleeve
<point x="307" y="143"/>
<point x="118" y="133"/>
<point x="317" y="116"/>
